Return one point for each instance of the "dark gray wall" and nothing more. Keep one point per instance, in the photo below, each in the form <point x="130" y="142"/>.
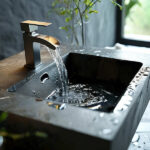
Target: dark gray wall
<point x="101" y="28"/>
<point x="101" y="31"/>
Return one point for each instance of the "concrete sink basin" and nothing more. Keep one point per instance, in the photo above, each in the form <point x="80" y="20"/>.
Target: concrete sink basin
<point x="110" y="76"/>
<point x="115" y="118"/>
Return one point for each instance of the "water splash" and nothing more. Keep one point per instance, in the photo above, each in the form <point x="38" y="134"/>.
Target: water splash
<point x="62" y="72"/>
<point x="105" y="132"/>
<point x="83" y="94"/>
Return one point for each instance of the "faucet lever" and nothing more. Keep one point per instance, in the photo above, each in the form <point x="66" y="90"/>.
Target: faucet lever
<point x="31" y="26"/>
<point x="32" y="41"/>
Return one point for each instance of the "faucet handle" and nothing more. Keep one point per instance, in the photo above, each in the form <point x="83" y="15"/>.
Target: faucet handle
<point x="31" y="26"/>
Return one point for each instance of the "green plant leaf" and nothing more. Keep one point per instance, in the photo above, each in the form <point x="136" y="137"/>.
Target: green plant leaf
<point x="68" y="19"/>
<point x="63" y="12"/>
<point x="76" y="11"/>
<point x="64" y="28"/>
<point x="87" y="2"/>
<point x="14" y="136"/>
<point x="91" y="4"/>
<point x="54" y="3"/>
<point x="41" y="134"/>
<point x="116" y="4"/>
<point x="86" y="17"/>
<point x="93" y="11"/>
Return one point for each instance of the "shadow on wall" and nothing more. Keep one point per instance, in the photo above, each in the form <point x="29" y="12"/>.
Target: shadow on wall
<point x="14" y="11"/>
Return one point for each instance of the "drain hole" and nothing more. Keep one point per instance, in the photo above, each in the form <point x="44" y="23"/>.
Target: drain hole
<point x="44" y="77"/>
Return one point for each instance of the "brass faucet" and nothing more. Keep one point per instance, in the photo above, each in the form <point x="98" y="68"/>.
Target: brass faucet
<point x="32" y="41"/>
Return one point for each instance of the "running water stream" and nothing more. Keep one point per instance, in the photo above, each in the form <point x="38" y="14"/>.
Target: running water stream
<point x="83" y="94"/>
<point x="62" y="71"/>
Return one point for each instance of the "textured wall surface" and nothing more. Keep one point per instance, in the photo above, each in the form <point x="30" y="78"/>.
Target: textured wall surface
<point x="100" y="29"/>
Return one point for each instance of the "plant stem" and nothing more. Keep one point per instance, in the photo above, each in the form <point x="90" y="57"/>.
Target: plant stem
<point x="87" y="7"/>
<point x="75" y="36"/>
<point x="82" y="26"/>
<point x="73" y="28"/>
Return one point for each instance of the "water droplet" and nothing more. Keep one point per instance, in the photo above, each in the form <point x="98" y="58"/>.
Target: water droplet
<point x="139" y="146"/>
<point x="34" y="92"/>
<point x="146" y="73"/>
<point x="105" y="132"/>
<point x="51" y="94"/>
<point x="105" y="100"/>
<point x="127" y="103"/>
<point x="81" y="50"/>
<point x="129" y="98"/>
<point x="62" y="106"/>
<point x="97" y="51"/>
<point x="76" y="50"/>
<point x="117" y="112"/>
<point x="130" y="92"/>
<point x="136" y="138"/>
<point x="119" y="108"/>
<point x="101" y="115"/>
<point x="148" y="69"/>
<point x="135" y="143"/>
<point x="115" y="121"/>
<point x="125" y="107"/>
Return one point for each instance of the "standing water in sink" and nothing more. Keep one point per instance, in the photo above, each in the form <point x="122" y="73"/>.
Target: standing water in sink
<point x="62" y="72"/>
<point x="82" y="94"/>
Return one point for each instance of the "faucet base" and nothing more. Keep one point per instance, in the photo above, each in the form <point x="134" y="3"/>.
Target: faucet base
<point x="28" y="66"/>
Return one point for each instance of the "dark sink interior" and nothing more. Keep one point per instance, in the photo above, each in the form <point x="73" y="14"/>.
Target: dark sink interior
<point x="106" y="77"/>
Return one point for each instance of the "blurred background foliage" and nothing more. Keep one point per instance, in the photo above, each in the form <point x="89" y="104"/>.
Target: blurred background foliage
<point x="76" y="14"/>
<point x="137" y="17"/>
<point x="25" y="140"/>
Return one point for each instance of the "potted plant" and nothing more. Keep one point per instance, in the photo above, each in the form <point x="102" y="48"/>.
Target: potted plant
<point x="76" y="13"/>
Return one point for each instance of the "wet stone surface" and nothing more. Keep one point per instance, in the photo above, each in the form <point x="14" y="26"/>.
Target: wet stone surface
<point x="105" y="131"/>
<point x="141" y="139"/>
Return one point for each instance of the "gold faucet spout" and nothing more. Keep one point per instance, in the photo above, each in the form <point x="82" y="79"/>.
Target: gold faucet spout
<point x="49" y="41"/>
